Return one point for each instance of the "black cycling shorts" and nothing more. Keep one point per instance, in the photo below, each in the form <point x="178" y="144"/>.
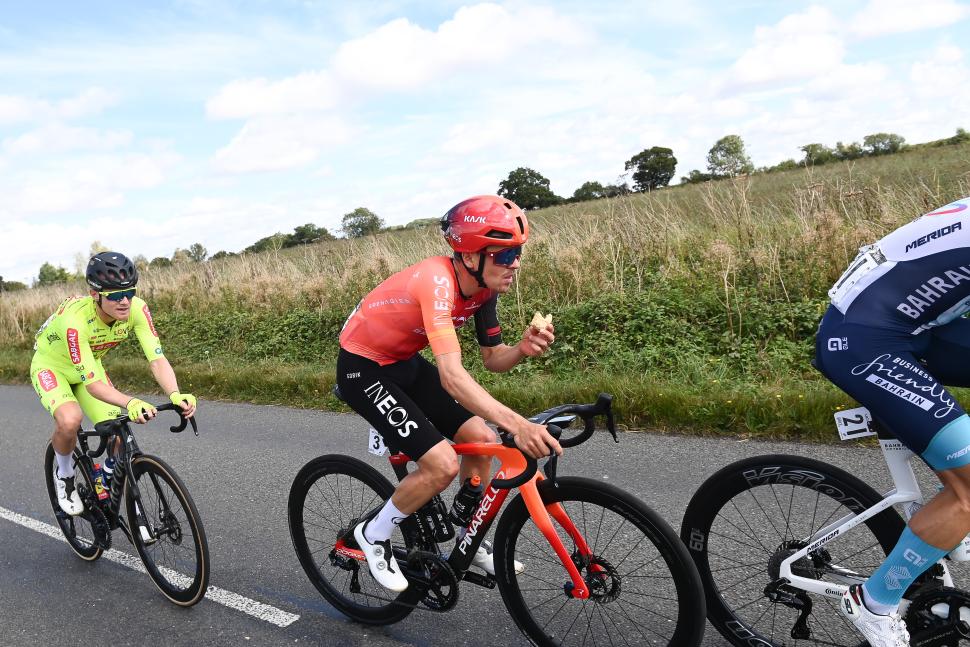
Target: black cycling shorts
<point x="403" y="401"/>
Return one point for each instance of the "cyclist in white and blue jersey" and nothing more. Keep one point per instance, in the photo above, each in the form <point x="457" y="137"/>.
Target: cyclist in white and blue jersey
<point x="892" y="337"/>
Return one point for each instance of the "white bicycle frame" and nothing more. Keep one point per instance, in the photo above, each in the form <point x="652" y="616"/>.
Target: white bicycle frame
<point x="906" y="493"/>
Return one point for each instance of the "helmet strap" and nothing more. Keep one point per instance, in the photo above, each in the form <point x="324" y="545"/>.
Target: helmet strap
<point x="477" y="274"/>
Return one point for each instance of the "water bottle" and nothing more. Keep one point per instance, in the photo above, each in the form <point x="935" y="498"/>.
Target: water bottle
<point x="108" y="469"/>
<point x="99" y="488"/>
<point x="466" y="500"/>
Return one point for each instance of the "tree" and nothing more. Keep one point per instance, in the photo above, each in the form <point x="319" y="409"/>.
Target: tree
<point x="273" y="243"/>
<point x="197" y="252"/>
<point x="140" y="262"/>
<point x="785" y="165"/>
<point x="961" y="136"/>
<point x="727" y="158"/>
<point x="816" y="154"/>
<point x="883" y="143"/>
<point x="849" y="152"/>
<point x="221" y="254"/>
<point x="360" y="222"/>
<point x="696" y="176"/>
<point x="589" y="191"/>
<point x="528" y="189"/>
<point x="308" y="233"/>
<point x="654" y="168"/>
<point x="160" y="261"/>
<point x="49" y="275"/>
<point x="180" y="256"/>
<point x="11" y="286"/>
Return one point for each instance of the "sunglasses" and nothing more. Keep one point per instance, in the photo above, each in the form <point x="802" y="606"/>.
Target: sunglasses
<point x="505" y="257"/>
<point x="119" y="295"/>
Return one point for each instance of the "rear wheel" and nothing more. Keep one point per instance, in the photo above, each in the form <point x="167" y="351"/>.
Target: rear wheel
<point x="644" y="589"/>
<point x="79" y="531"/>
<point x="167" y="531"/>
<point x="328" y="498"/>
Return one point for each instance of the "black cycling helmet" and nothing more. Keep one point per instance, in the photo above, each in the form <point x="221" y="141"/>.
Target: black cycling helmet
<point x="111" y="271"/>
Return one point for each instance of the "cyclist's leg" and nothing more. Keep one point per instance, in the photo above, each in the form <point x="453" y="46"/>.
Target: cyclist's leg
<point x="55" y="394"/>
<point x="379" y="395"/>
<point x="451" y="419"/>
<point x="881" y="369"/>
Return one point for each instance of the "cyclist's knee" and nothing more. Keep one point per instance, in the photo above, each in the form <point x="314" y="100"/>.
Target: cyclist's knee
<point x="67" y="419"/>
<point x="474" y="430"/>
<point x="440" y="465"/>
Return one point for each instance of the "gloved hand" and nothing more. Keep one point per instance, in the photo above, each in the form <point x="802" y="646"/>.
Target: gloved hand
<point x="177" y="398"/>
<point x="140" y="411"/>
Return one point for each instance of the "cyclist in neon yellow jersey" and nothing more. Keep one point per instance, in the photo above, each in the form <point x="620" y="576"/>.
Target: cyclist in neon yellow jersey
<point x="66" y="369"/>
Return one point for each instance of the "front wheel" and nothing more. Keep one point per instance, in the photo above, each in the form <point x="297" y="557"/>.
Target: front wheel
<point x="644" y="587"/>
<point x="750" y="516"/>
<point x="167" y="531"/>
<point x="79" y="531"/>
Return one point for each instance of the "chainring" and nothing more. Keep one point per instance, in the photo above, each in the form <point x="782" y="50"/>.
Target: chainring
<point x="928" y="628"/>
<point x="442" y="593"/>
<point x="100" y="526"/>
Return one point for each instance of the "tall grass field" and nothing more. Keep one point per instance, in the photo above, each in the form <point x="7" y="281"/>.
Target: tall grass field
<point x="696" y="306"/>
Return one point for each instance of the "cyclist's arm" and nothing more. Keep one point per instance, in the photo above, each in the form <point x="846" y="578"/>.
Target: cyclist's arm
<point x="534" y="439"/>
<point x="107" y="393"/>
<point x="503" y="357"/>
<point x="165" y="376"/>
<point x="144" y="329"/>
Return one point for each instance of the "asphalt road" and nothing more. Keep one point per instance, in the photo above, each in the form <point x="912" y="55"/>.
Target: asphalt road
<point x="239" y="472"/>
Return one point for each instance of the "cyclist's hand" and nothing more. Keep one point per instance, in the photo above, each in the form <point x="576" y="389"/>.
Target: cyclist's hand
<point x="140" y="411"/>
<point x="184" y="400"/>
<point x="535" y="441"/>
<point x="535" y="342"/>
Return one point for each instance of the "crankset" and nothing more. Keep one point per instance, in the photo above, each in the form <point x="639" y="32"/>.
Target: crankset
<point x="442" y="583"/>
<point x="939" y="618"/>
<point x="95" y="516"/>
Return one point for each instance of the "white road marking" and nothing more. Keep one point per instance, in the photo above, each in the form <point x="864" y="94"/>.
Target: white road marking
<point x="226" y="598"/>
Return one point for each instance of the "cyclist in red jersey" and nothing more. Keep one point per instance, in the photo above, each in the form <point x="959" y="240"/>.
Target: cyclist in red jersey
<point x="415" y="405"/>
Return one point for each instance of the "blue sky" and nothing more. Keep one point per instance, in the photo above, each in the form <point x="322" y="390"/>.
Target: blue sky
<point x="154" y="125"/>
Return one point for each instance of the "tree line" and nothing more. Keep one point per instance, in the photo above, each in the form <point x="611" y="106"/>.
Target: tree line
<point x="653" y="168"/>
<point x="650" y="169"/>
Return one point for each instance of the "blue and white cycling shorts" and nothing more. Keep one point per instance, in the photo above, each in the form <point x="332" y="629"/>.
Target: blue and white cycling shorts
<point x="899" y="377"/>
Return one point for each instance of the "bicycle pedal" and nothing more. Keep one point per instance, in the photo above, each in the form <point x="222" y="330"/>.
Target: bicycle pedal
<point x="486" y="581"/>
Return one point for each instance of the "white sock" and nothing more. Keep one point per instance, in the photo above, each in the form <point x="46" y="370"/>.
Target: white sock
<point x="877" y="607"/>
<point x="380" y="527"/>
<point x="65" y="465"/>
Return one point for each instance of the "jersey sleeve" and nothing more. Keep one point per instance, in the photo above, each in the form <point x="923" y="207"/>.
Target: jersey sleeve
<point x="487" y="329"/>
<point x="144" y="328"/>
<point x="79" y="350"/>
<point x="435" y="292"/>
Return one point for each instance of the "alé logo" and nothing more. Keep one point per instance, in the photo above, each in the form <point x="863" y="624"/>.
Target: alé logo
<point x="396" y="416"/>
<point x="73" y="347"/>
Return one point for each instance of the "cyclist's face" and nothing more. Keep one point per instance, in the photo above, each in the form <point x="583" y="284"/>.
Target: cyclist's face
<point x="499" y="276"/>
<point x="119" y="310"/>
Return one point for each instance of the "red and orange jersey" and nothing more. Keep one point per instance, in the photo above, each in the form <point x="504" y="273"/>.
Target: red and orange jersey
<point x="418" y="306"/>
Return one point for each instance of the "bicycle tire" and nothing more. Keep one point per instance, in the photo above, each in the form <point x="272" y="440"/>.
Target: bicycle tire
<point x="77" y="530"/>
<point x="327" y="497"/>
<point x="626" y="602"/>
<point x="180" y="571"/>
<point x="742" y="498"/>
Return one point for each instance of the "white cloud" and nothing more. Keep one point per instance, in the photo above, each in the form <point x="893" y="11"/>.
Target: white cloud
<point x="800" y="46"/>
<point x="21" y="109"/>
<point x="403" y="56"/>
<point x="311" y="91"/>
<point x="57" y="138"/>
<point x="274" y="143"/>
<point x="884" y="17"/>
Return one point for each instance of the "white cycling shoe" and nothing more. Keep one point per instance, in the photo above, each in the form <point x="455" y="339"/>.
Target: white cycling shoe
<point x="67" y="496"/>
<point x="380" y="560"/>
<point x="485" y="559"/>
<point x="880" y="631"/>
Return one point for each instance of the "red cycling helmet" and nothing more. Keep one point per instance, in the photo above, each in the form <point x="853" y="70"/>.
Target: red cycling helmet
<point x="475" y="223"/>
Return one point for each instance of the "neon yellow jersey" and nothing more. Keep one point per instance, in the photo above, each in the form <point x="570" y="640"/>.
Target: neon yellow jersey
<point x="74" y="338"/>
